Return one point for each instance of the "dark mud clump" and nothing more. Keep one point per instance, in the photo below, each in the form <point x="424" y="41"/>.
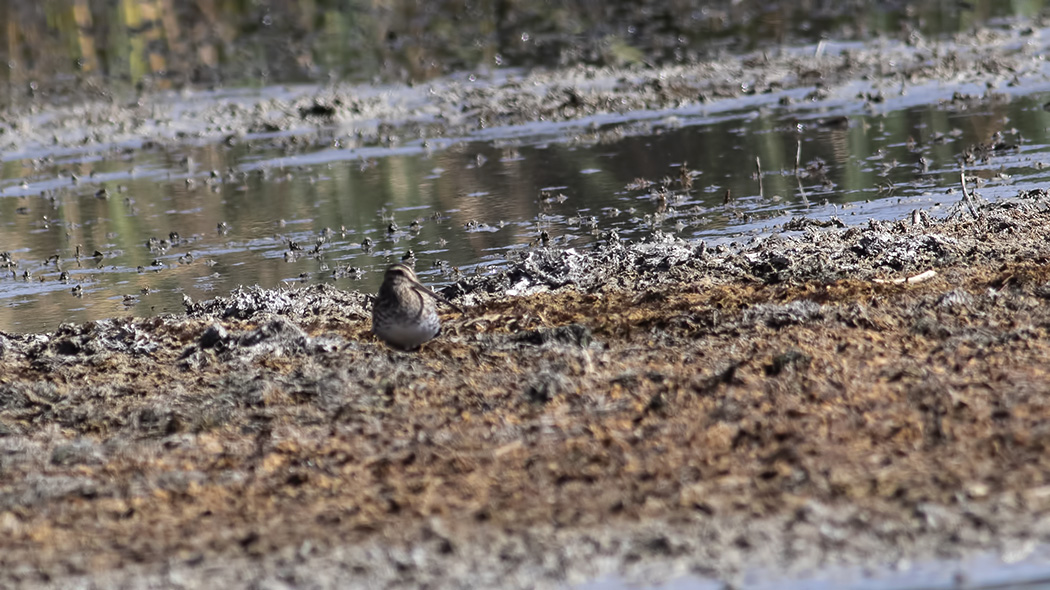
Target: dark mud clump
<point x="644" y="409"/>
<point x="806" y="252"/>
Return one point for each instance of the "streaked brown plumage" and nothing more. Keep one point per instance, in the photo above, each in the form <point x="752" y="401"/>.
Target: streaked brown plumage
<point x="404" y="314"/>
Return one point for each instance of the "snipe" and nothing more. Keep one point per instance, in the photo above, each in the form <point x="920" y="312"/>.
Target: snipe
<point x="404" y="314"/>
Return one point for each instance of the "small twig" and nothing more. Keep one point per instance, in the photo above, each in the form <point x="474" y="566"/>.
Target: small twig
<point x="798" y="171"/>
<point x="966" y="194"/>
<point x="758" y="167"/>
<point x="508" y="448"/>
<point x="802" y="191"/>
<point x="923" y="276"/>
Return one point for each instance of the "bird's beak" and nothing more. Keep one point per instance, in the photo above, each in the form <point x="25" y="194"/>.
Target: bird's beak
<point x="423" y="289"/>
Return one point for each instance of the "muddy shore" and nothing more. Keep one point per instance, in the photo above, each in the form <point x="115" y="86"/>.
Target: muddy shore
<point x="966" y="70"/>
<point x="648" y="409"/>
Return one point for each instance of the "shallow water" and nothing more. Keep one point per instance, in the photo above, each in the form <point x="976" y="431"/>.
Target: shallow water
<point x="155" y="225"/>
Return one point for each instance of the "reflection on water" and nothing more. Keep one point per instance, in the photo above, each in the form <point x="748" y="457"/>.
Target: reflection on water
<point x="151" y="226"/>
<point x="95" y="46"/>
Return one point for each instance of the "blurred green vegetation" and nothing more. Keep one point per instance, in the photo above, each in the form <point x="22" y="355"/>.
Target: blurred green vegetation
<point x="59" y="46"/>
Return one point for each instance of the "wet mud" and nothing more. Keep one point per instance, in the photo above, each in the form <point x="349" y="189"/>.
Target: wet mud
<point x="647" y="409"/>
<point x="979" y="65"/>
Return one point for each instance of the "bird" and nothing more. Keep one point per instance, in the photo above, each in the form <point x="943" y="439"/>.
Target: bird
<point x="404" y="314"/>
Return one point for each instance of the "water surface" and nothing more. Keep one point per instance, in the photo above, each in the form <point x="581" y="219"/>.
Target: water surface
<point x="152" y="225"/>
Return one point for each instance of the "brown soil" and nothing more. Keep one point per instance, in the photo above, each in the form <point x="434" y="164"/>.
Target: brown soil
<point x="685" y="414"/>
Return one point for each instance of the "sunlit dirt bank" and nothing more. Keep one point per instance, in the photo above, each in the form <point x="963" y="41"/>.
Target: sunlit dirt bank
<point x="649" y="407"/>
